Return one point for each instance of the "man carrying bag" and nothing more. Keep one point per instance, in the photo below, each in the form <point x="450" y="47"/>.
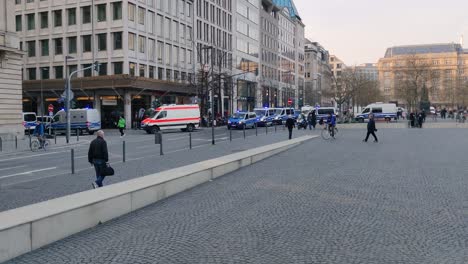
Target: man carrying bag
<point x="99" y="156"/>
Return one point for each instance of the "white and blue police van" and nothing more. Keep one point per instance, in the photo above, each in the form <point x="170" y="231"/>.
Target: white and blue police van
<point x="81" y="120"/>
<point x="380" y="111"/>
<point x="265" y="116"/>
<point x="281" y="115"/>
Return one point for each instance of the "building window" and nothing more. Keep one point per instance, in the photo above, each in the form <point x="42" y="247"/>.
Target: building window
<point x="71" y="16"/>
<point x="31" y="48"/>
<point x="142" y="70"/>
<point x="118" y="67"/>
<point x="159" y="51"/>
<point x="58" y="72"/>
<point x="151" y="72"/>
<point x="131" y="67"/>
<point x="101" y="13"/>
<point x="72" y="45"/>
<point x="72" y="68"/>
<point x="87" y="72"/>
<point x="31" y="22"/>
<point x="86" y="43"/>
<point x="117" y="40"/>
<point x="102" y="69"/>
<point x="18" y="2"/>
<point x="160" y="73"/>
<point x="19" y="23"/>
<point x="168" y="74"/>
<point x="131" y="41"/>
<point x="117" y="10"/>
<point x="141" y="16"/>
<point x="31" y="73"/>
<point x="57" y="18"/>
<point x="58" y="43"/>
<point x="45" y="73"/>
<point x="45" y="47"/>
<point x="141" y="44"/>
<point x="131" y="12"/>
<point x="102" y="41"/>
<point x="44" y="19"/>
<point x="86" y="14"/>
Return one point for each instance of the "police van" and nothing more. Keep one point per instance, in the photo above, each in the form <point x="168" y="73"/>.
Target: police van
<point x="265" y="116"/>
<point x="81" y="120"/>
<point x="281" y="115"/>
<point x="167" y="117"/>
<point x="380" y="111"/>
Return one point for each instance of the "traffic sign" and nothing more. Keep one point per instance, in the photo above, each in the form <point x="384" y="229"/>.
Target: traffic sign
<point x="289" y="101"/>
<point x="50" y="108"/>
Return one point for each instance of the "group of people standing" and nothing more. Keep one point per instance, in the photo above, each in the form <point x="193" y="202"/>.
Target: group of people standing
<point x="417" y="119"/>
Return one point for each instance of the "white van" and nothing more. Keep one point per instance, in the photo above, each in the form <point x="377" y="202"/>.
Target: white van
<point x="380" y="111"/>
<point x="29" y="120"/>
<point x="166" y="117"/>
<point x="83" y="120"/>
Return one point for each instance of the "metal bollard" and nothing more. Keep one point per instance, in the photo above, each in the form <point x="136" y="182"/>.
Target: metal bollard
<point x="72" y="161"/>
<point x="77" y="134"/>
<point x="190" y="140"/>
<point x="29" y="139"/>
<point x="161" y="146"/>
<point x="1" y="144"/>
<point x="244" y="132"/>
<point x="256" y="130"/>
<point x="55" y="137"/>
<point x="230" y="134"/>
<point x="16" y="142"/>
<point x="123" y="151"/>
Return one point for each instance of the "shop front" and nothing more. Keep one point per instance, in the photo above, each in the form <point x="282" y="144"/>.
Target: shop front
<point x="246" y="92"/>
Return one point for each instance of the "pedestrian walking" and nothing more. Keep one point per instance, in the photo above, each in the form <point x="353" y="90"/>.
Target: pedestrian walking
<point x="420" y="119"/>
<point x="290" y="125"/>
<point x="312" y="119"/>
<point x="371" y="129"/>
<point x="121" y="126"/>
<point x="98" y="156"/>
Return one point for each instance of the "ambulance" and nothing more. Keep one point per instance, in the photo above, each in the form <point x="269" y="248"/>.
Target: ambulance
<point x="167" y="117"/>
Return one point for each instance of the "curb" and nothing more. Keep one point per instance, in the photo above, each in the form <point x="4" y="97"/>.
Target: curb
<point x="28" y="228"/>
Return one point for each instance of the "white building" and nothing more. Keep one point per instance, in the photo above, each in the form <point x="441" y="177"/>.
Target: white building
<point x="10" y="74"/>
<point x="317" y="73"/>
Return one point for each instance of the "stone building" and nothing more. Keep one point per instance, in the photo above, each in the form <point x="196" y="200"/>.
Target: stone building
<point x="447" y="72"/>
<point x="10" y="74"/>
<point x="317" y="73"/>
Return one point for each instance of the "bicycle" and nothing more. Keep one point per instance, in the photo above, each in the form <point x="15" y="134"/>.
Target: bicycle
<point x="328" y="133"/>
<point x="36" y="144"/>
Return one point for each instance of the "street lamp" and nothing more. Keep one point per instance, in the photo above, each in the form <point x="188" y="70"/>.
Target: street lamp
<point x="67" y="95"/>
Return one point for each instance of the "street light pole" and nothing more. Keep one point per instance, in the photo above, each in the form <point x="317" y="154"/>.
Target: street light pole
<point x="67" y="95"/>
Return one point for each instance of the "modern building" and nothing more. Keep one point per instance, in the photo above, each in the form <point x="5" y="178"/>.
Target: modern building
<point x="368" y="70"/>
<point x="317" y="73"/>
<point x="445" y="67"/>
<point x="145" y="50"/>
<point x="10" y="74"/>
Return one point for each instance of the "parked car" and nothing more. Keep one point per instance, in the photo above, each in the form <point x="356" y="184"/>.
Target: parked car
<point x="243" y="120"/>
<point x="380" y="111"/>
<point x="265" y="116"/>
<point x="81" y="120"/>
<point x="167" y="117"/>
<point x="281" y="115"/>
<point x="29" y="120"/>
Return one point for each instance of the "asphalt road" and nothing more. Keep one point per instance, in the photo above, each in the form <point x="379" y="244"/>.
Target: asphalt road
<point x="29" y="177"/>
<point x="402" y="200"/>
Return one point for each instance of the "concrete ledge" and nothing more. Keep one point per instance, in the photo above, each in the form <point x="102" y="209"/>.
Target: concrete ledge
<point x="31" y="227"/>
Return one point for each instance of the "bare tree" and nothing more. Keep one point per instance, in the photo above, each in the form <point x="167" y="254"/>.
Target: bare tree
<point x="413" y="76"/>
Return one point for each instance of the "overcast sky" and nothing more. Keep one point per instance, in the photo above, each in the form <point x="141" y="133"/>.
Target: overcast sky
<point x="359" y="31"/>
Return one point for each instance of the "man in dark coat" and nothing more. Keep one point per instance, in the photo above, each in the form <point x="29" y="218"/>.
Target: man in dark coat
<point x="98" y="156"/>
<point x="420" y="119"/>
<point x="371" y="129"/>
<point x="312" y="119"/>
<point x="290" y="125"/>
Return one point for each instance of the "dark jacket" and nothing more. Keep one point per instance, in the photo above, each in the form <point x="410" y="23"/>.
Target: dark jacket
<point x="98" y="150"/>
<point x="371" y="125"/>
<point x="290" y="123"/>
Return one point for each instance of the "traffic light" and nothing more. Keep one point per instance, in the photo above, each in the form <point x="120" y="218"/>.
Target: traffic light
<point x="96" y="66"/>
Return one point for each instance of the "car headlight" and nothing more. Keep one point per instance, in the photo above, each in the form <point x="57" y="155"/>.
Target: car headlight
<point x="262" y="119"/>
<point x="276" y="117"/>
<point x="241" y="122"/>
<point x="229" y="121"/>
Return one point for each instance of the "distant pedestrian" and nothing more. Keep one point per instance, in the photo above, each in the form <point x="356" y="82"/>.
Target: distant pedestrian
<point x="371" y="129"/>
<point x="121" y="126"/>
<point x="98" y="156"/>
<point x="290" y="125"/>
<point x="312" y="120"/>
<point x="420" y="119"/>
<point x="412" y="119"/>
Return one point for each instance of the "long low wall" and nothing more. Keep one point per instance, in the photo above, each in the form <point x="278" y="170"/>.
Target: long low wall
<point x="28" y="228"/>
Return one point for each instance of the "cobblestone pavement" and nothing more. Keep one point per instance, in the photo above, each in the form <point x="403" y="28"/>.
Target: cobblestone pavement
<point x="343" y="201"/>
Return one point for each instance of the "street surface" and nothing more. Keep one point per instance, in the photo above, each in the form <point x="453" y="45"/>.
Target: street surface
<point x="30" y="177"/>
<point x="402" y="200"/>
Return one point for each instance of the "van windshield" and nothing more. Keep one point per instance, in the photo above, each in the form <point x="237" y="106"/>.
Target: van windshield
<point x="259" y="112"/>
<point x="366" y="110"/>
<point x="278" y="111"/>
<point x="325" y="111"/>
<point x="29" y="117"/>
<point x="239" y="115"/>
<point x="154" y="114"/>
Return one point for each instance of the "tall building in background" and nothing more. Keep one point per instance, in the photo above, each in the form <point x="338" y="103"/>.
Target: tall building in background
<point x="317" y="73"/>
<point x="10" y="74"/>
<point x="368" y="70"/>
<point x="145" y="49"/>
<point x="445" y="66"/>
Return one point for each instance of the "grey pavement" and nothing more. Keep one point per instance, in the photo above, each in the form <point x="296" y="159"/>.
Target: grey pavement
<point x="27" y="178"/>
<point x="341" y="201"/>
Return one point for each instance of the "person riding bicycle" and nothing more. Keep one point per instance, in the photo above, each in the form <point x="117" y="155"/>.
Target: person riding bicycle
<point x="39" y="132"/>
<point x="331" y="122"/>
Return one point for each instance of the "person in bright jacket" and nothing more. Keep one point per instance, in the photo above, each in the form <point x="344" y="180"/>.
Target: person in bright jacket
<point x="121" y="126"/>
<point x="371" y="129"/>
